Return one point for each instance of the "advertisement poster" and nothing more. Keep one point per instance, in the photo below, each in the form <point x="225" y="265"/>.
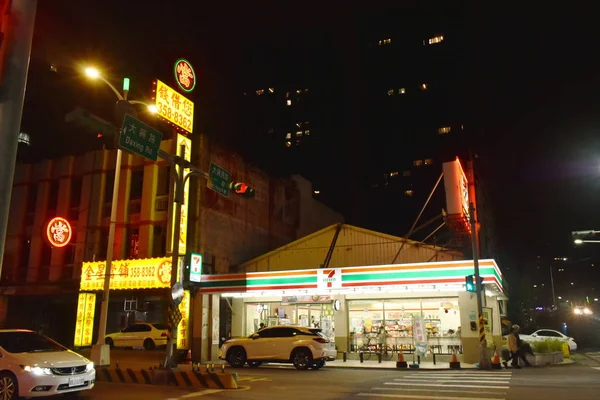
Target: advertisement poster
<point x="215" y="330"/>
<point x="488" y="326"/>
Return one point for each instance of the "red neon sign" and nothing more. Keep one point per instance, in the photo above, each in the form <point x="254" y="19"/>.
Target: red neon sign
<point x="58" y="232"/>
<point x="185" y="75"/>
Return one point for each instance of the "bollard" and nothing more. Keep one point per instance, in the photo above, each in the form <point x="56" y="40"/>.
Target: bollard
<point x="345" y="356"/>
<point x="223" y="368"/>
<point x="379" y="357"/>
<point x="361" y="357"/>
<point x="207" y="368"/>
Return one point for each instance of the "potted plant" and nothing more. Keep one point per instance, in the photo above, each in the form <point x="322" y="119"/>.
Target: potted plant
<point x="547" y="352"/>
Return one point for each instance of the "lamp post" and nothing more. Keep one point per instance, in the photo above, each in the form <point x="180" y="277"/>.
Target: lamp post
<point x="100" y="351"/>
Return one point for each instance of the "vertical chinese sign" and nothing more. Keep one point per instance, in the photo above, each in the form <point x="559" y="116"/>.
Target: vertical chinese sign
<point x="488" y="326"/>
<point x="84" y="327"/>
<point x="420" y="336"/>
<point x="182" y="240"/>
<point x="183" y="331"/>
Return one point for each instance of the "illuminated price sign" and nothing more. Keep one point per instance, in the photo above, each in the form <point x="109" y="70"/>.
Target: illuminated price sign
<point x="174" y="107"/>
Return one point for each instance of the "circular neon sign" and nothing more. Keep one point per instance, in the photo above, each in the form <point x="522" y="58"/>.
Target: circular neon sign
<point x="185" y="75"/>
<point x="58" y="232"/>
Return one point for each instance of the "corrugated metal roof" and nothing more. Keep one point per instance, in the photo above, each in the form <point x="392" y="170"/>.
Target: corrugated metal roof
<point x="354" y="247"/>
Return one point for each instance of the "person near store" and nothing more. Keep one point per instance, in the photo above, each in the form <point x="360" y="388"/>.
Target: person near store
<point x="517" y="349"/>
<point x="261" y="326"/>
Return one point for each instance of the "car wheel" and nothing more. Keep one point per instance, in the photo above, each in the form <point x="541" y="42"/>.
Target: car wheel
<point x="149" y="344"/>
<point x="9" y="388"/>
<point x="254" y="364"/>
<point x="236" y="357"/>
<point x="319" y="364"/>
<point x="110" y="343"/>
<point x="302" y="359"/>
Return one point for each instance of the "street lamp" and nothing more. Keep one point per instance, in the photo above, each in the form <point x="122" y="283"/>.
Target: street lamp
<point x="100" y="351"/>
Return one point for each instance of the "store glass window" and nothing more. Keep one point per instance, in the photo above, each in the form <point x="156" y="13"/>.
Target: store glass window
<point x="391" y="322"/>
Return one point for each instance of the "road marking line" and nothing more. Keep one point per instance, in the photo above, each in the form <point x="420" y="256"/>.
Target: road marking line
<point x="463" y="373"/>
<point x="438" y="390"/>
<point x="414" y="396"/>
<point x="201" y="393"/>
<point x="457" y="380"/>
<point x="442" y="385"/>
<point x="598" y="368"/>
<point x="504" y="378"/>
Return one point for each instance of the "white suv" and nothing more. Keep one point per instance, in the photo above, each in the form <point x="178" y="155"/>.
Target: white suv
<point x="304" y="347"/>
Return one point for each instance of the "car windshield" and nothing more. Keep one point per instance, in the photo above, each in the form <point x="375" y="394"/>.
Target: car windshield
<point x="28" y="342"/>
<point x="160" y="327"/>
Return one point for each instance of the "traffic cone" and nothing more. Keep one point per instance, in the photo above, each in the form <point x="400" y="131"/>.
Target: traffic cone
<point x="401" y="363"/>
<point x="454" y="363"/>
<point x="496" y="360"/>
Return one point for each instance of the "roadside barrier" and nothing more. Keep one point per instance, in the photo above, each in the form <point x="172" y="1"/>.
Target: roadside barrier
<point x="169" y="377"/>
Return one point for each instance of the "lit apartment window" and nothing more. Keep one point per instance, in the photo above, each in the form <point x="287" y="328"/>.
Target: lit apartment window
<point x="408" y="192"/>
<point x="380" y="42"/>
<point x="306" y="90"/>
<point x="434" y="40"/>
<point x="317" y="192"/>
<point x="406" y="173"/>
<point x="299" y="134"/>
<point x="298" y="91"/>
<point x="387" y="41"/>
<point x="418" y="163"/>
<point x="444" y="129"/>
<point x="393" y="173"/>
<point x="390" y="92"/>
<point x="271" y="90"/>
<point x="424" y="86"/>
<point x="287" y="94"/>
<point x="259" y="92"/>
<point x="299" y="124"/>
<point x="288" y="144"/>
<point x="24" y="138"/>
<point x="428" y="161"/>
<point x="288" y="102"/>
<point x="288" y="136"/>
<point x="307" y="132"/>
<point x="53" y="68"/>
<point x="402" y="90"/>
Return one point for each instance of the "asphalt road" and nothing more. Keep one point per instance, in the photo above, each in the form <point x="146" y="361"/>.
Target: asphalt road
<point x="580" y="381"/>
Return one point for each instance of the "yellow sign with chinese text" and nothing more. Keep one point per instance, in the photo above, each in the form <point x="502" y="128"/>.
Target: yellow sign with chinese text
<point x="183" y="329"/>
<point x="174" y="107"/>
<point x="182" y="140"/>
<point x="84" y="326"/>
<point x="147" y="273"/>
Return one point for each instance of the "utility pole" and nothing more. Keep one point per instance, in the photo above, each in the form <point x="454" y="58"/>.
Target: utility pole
<point x="15" y="51"/>
<point x="484" y="362"/>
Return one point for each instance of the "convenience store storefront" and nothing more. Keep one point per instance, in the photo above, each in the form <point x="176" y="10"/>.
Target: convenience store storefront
<point x="355" y="305"/>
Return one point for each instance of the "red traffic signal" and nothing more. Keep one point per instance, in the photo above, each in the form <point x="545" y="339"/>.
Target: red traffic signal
<point x="242" y="189"/>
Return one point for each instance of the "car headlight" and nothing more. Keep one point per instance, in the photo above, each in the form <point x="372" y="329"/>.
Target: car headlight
<point x="36" y="370"/>
<point x="89" y="366"/>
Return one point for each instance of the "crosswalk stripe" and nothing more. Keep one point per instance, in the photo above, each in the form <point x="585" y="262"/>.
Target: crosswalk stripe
<point x="482" y="390"/>
<point x="463" y="373"/>
<point x="434" y="377"/>
<point x="598" y="368"/>
<point x="458" y="380"/>
<point x="443" y="385"/>
<point x="409" y="396"/>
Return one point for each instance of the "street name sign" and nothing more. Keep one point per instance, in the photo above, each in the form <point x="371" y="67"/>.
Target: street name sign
<point x="219" y="180"/>
<point x="139" y="138"/>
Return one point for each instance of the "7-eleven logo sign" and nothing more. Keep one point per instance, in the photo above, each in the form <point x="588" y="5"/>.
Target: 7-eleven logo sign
<point x="330" y="278"/>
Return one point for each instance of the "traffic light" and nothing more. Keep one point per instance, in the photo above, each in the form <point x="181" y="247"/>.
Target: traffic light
<point x="469" y="283"/>
<point x="242" y="189"/>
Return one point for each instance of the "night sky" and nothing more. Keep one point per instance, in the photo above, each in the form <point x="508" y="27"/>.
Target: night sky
<point x="533" y="96"/>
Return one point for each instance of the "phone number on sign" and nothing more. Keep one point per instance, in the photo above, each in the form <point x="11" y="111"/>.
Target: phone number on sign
<point x="142" y="272"/>
<point x="177" y="117"/>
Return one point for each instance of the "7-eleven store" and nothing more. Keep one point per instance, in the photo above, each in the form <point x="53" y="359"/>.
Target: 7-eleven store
<point x="414" y="303"/>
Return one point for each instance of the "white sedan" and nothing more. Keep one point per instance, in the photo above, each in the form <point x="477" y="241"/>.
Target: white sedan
<point x="33" y="365"/>
<point x="146" y="335"/>
<point x="544" y="334"/>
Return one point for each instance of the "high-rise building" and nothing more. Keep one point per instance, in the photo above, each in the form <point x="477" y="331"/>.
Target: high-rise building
<point x="385" y="94"/>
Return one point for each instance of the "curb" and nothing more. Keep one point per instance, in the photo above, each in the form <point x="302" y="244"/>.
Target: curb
<point x="168" y="377"/>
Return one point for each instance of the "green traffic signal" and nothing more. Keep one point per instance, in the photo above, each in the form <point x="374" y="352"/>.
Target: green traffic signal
<point x="469" y="283"/>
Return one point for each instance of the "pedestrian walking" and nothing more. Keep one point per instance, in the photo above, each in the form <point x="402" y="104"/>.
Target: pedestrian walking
<point x="517" y="349"/>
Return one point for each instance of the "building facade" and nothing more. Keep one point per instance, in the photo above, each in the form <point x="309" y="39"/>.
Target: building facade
<point x="41" y="281"/>
<point x="364" y="288"/>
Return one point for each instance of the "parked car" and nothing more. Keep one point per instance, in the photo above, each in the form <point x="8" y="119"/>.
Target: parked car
<point x="543" y="334"/>
<point x="33" y="365"/>
<point x="146" y="335"/>
<point x="304" y="347"/>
